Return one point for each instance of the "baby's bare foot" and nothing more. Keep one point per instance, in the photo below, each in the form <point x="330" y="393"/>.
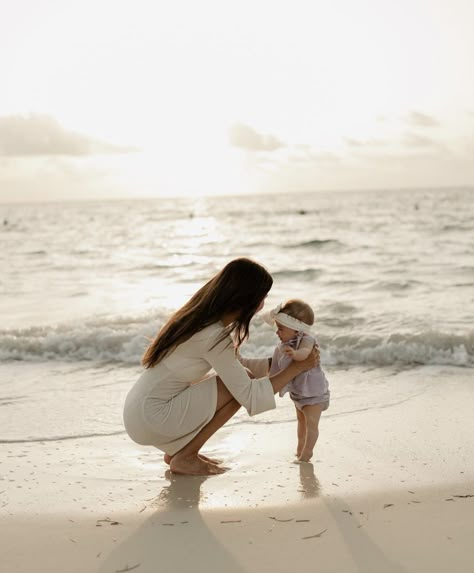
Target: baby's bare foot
<point x="305" y="456"/>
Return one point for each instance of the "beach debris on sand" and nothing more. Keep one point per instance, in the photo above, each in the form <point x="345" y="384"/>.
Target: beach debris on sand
<point x="106" y="520"/>
<point x="316" y="535"/>
<point x="127" y="568"/>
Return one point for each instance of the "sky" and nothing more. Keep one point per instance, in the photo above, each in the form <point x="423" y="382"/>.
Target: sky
<point x="138" y="98"/>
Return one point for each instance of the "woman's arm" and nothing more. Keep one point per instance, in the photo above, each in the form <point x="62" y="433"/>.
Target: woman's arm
<point x="256" y="395"/>
<point x="258" y="366"/>
<point x="278" y="381"/>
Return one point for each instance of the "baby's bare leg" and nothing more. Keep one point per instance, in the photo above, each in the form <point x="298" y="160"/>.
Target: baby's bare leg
<point x="312" y="414"/>
<point x="301" y="431"/>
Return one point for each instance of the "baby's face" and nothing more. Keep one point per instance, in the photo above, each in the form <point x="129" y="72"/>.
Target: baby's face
<point x="284" y="333"/>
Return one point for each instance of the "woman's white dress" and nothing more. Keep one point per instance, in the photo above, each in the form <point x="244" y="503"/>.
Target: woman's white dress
<point x="171" y="402"/>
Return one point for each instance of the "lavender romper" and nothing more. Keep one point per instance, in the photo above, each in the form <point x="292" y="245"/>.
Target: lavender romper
<point x="308" y="388"/>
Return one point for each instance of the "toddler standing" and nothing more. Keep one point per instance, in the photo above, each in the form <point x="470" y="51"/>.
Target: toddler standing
<point x="309" y="390"/>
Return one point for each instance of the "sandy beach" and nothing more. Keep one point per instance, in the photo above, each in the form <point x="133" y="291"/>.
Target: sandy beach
<point x="390" y="489"/>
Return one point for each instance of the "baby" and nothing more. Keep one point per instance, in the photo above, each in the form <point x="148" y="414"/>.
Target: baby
<point x="309" y="390"/>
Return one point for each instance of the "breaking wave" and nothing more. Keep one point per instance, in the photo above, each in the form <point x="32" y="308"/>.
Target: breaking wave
<point x="124" y="339"/>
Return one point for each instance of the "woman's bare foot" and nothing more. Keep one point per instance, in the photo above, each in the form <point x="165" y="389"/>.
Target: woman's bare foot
<point x="210" y="460"/>
<point x="167" y="459"/>
<point x="193" y="465"/>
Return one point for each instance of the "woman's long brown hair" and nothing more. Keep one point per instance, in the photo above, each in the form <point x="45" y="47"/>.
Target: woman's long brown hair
<point x="239" y="287"/>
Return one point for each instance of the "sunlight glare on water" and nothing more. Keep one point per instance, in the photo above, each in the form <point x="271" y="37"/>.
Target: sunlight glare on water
<point x="388" y="274"/>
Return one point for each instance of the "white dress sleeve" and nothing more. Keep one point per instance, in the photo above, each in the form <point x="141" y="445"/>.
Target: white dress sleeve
<point x="256" y="395"/>
<point x="258" y="366"/>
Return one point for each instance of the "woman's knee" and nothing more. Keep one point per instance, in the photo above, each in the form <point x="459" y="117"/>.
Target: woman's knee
<point x="223" y="394"/>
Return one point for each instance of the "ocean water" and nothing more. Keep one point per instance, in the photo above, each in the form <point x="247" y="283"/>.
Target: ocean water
<point x="84" y="285"/>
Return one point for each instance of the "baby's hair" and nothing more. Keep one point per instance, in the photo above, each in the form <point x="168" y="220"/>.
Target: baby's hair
<point x="298" y="309"/>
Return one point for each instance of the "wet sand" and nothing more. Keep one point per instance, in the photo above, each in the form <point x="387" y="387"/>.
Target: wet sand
<point x="391" y="489"/>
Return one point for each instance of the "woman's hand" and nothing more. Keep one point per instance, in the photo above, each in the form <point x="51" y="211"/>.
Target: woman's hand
<point x="279" y="380"/>
<point x="310" y="361"/>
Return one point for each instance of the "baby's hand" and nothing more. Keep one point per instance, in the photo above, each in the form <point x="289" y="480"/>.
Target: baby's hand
<point x="289" y="351"/>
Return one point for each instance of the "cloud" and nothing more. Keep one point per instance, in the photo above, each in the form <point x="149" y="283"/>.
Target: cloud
<point x="419" y="141"/>
<point x="418" y="119"/>
<point x="398" y="164"/>
<point x="303" y="153"/>
<point x="246" y="137"/>
<point x="365" y="143"/>
<point x="409" y="142"/>
<point x="42" y="135"/>
<point x="36" y="177"/>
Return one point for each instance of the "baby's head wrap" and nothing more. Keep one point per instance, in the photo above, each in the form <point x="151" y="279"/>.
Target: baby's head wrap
<point x="276" y="315"/>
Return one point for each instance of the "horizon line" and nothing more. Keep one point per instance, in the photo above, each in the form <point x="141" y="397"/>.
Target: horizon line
<point x="464" y="187"/>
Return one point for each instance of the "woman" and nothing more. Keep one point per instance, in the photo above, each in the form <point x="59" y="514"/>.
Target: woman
<point x="177" y="404"/>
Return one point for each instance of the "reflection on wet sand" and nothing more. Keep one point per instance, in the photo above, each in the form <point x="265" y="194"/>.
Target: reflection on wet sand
<point x="157" y="548"/>
<point x="310" y="485"/>
<point x="183" y="492"/>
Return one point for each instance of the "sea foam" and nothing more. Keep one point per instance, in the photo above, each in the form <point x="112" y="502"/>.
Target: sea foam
<point x="123" y="340"/>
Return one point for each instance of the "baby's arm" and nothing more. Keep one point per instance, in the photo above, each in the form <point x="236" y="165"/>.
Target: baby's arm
<point x="303" y="351"/>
